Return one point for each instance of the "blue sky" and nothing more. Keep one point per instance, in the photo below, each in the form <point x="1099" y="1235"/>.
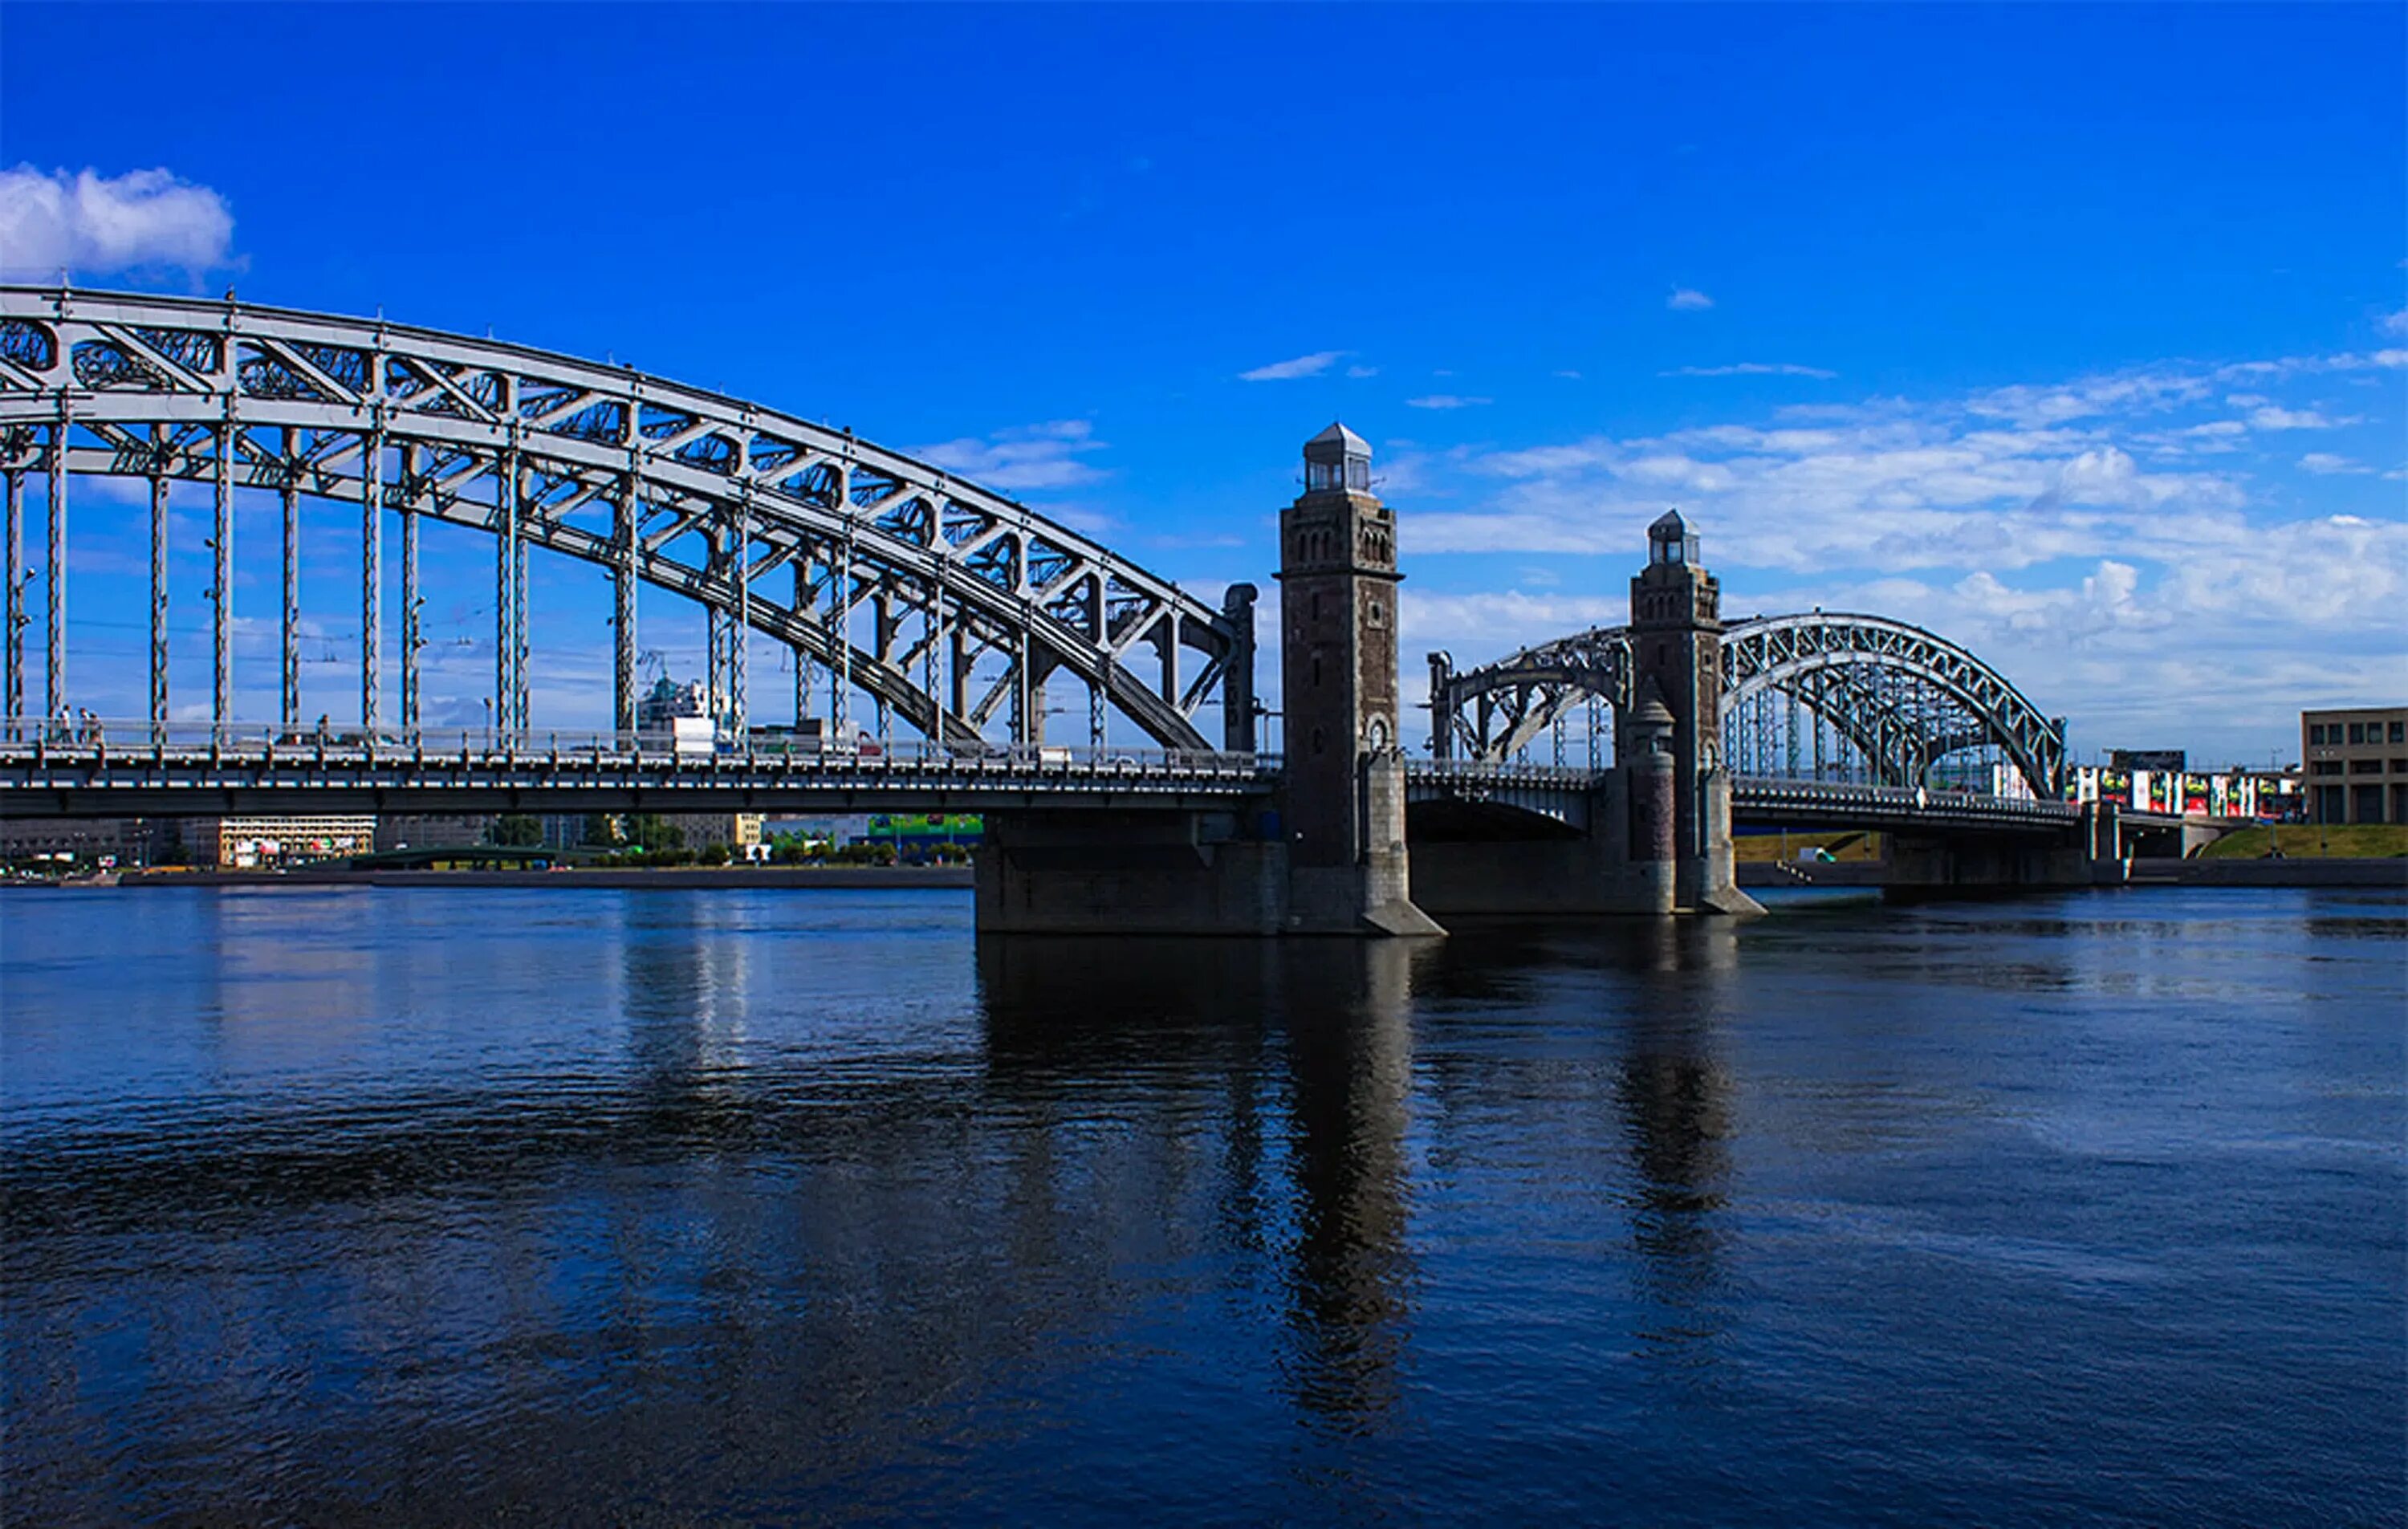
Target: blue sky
<point x="2077" y="334"/>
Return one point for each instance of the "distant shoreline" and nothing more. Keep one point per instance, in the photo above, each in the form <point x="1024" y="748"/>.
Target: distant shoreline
<point x="679" y="878"/>
<point x="2194" y="872"/>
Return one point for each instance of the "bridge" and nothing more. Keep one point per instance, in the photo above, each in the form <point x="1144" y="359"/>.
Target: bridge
<point x="928" y="624"/>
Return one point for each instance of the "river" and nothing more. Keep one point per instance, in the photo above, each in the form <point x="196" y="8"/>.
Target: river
<point x="335" y="1206"/>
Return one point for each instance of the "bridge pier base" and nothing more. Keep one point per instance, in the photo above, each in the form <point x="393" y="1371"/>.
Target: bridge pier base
<point x="1229" y="872"/>
<point x="1922" y="866"/>
<point x="1089" y="872"/>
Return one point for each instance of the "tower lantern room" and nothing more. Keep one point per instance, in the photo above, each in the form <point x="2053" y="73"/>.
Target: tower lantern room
<point x="1670" y="540"/>
<point x="1338" y="459"/>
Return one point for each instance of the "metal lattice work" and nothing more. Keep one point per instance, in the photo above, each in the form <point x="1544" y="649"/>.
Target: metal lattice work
<point x="897" y="581"/>
<point x="1881" y="701"/>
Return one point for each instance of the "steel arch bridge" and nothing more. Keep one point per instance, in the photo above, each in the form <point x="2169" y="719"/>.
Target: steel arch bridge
<point x="901" y="582"/>
<point x="1892" y="696"/>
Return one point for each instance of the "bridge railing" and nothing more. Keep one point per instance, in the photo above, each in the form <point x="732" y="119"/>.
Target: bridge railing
<point x="1776" y="789"/>
<point x="1503" y="772"/>
<point x="62" y="741"/>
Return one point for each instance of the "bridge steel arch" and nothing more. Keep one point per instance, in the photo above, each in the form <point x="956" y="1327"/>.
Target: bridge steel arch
<point x="903" y="582"/>
<point x="1904" y="696"/>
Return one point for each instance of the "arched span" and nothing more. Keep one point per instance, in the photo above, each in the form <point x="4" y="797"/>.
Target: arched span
<point x="901" y="581"/>
<point x="1904" y="696"/>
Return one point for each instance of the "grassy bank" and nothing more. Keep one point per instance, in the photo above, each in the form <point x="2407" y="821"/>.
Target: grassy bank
<point x="1843" y="846"/>
<point x="2308" y="841"/>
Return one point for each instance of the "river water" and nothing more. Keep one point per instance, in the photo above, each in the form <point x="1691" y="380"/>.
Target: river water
<point x="395" y="1207"/>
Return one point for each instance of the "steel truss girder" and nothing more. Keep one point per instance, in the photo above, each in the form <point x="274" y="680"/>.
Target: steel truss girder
<point x="1004" y="580"/>
<point x="1904" y="696"/>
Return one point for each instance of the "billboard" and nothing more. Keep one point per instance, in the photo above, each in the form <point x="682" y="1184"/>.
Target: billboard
<point x="2172" y="793"/>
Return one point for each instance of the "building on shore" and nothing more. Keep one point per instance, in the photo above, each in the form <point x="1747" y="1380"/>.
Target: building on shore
<point x="89" y="841"/>
<point x="248" y="843"/>
<point x="734" y="829"/>
<point x="433" y="830"/>
<point x="2357" y="764"/>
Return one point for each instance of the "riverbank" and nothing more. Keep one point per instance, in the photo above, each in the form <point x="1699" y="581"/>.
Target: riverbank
<point x="2195" y="872"/>
<point x="678" y="878"/>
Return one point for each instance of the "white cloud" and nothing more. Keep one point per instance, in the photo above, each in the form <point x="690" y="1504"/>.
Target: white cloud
<point x="1445" y="400"/>
<point x="89" y="223"/>
<point x="1031" y="456"/>
<point x="2325" y="464"/>
<point x="1283" y="371"/>
<point x="2275" y="418"/>
<point x="2395" y="323"/>
<point x="1360" y="371"/>
<point x="2099" y="539"/>
<point x="1687" y="300"/>
<point x="1570" y="374"/>
<point x="1752" y="368"/>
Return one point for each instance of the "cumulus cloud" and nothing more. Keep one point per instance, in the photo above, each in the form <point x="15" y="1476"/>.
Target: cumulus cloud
<point x="2275" y="418"/>
<point x="2325" y="464"/>
<point x="1283" y="371"/>
<point x="1446" y="400"/>
<point x="1024" y="457"/>
<point x="2111" y="542"/>
<point x="2396" y="323"/>
<point x="1752" y="368"/>
<point x="87" y="223"/>
<point x="1687" y="300"/>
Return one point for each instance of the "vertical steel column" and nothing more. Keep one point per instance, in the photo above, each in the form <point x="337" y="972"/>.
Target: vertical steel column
<point x="881" y="627"/>
<point x="371" y="568"/>
<point x="1170" y="657"/>
<point x="841" y="634"/>
<point x="802" y="655"/>
<point x="506" y="640"/>
<point x="714" y="630"/>
<point x="623" y="607"/>
<point x="958" y="683"/>
<point x="158" y="586"/>
<point x="289" y="682"/>
<point x="519" y="716"/>
<point x="1023" y="725"/>
<point x="930" y="660"/>
<point x="739" y="621"/>
<point x="15" y="613"/>
<point x="222" y="580"/>
<point x="54" y="577"/>
<point x="412" y="637"/>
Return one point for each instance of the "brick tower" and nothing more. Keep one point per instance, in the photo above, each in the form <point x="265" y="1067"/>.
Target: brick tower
<point x="1676" y="637"/>
<point x="1345" y="790"/>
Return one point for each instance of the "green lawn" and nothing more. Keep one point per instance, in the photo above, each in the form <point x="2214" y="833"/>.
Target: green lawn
<point x="2308" y="841"/>
<point x="1844" y="844"/>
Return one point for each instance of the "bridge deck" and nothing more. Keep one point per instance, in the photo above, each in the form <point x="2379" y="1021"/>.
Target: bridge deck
<point x="1755" y="799"/>
<point x="124" y="770"/>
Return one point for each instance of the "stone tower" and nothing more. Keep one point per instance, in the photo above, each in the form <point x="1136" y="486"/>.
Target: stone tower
<point x="1676" y="637"/>
<point x="1344" y="809"/>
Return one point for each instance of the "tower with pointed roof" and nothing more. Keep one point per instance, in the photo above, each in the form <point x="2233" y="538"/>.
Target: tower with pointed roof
<point x="1344" y="812"/>
<point x="1676" y="640"/>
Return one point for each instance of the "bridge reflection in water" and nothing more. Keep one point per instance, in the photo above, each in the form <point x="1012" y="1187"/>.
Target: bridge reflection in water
<point x="586" y="1229"/>
<point x="689" y="1201"/>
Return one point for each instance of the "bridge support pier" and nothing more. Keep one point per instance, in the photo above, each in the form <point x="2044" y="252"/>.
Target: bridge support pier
<point x="1071" y="871"/>
<point x="1328" y="857"/>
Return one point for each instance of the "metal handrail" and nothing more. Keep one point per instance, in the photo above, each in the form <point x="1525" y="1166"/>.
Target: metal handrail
<point x="268" y="742"/>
